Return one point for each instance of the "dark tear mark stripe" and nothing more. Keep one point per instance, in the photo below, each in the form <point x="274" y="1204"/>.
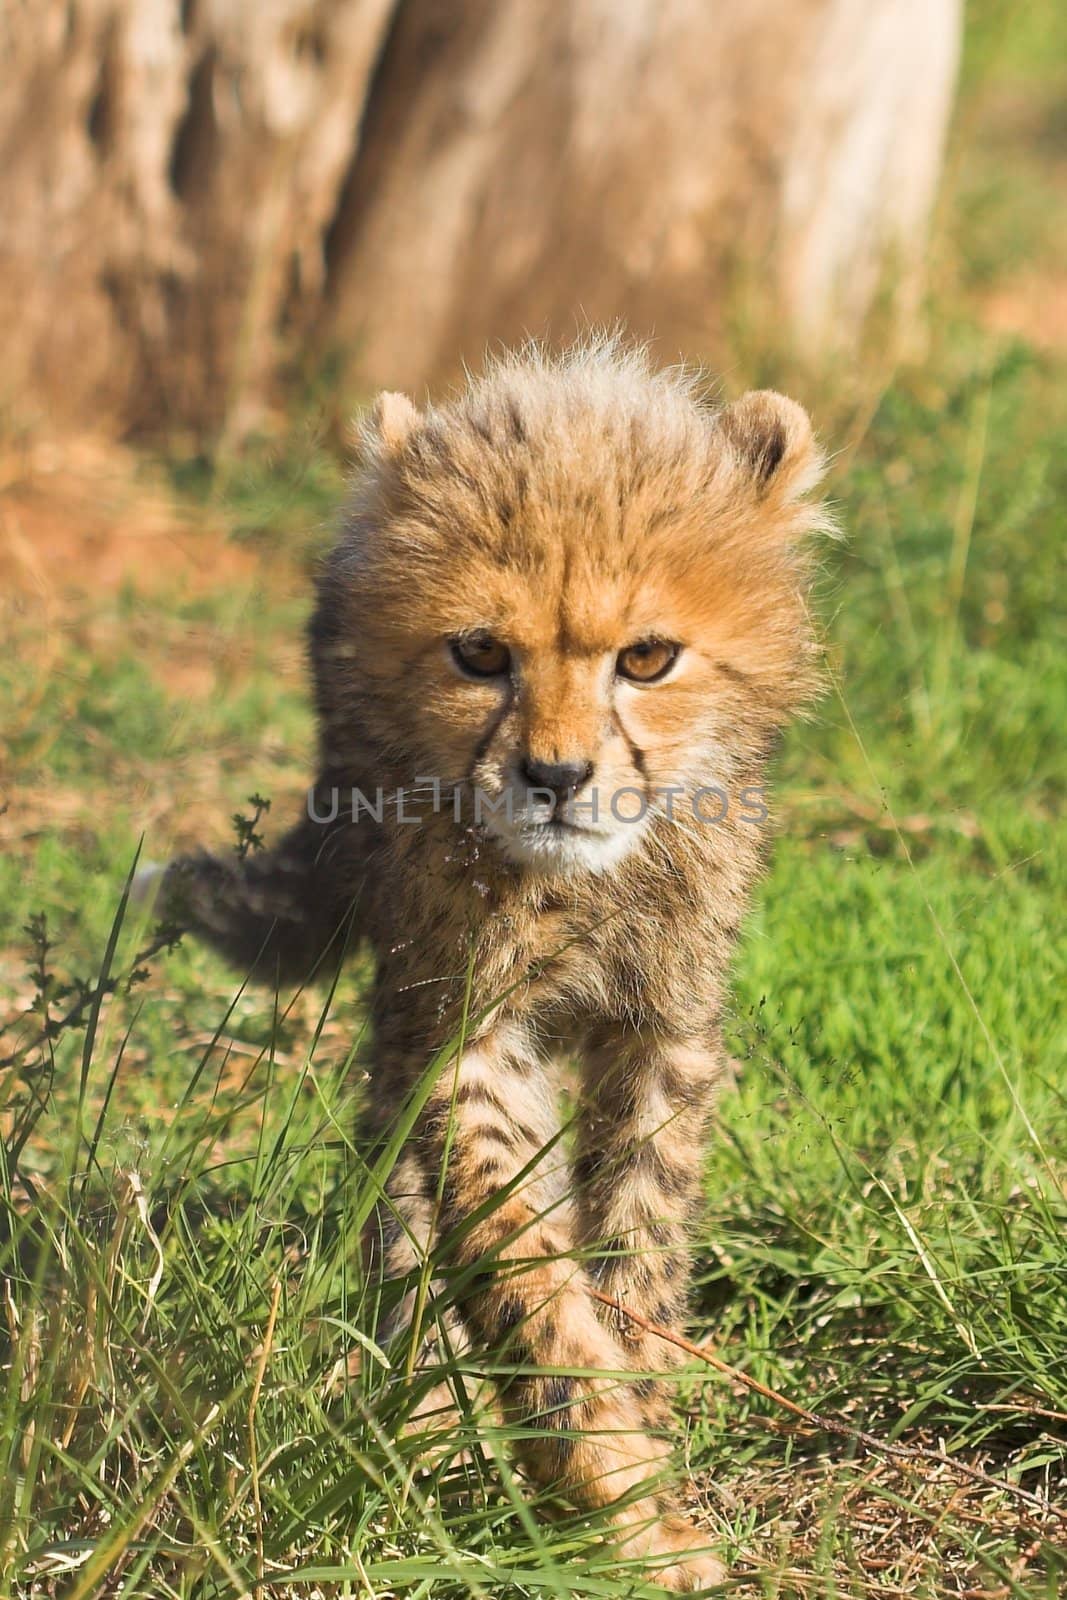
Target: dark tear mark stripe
<point x="637" y="755"/>
<point x="490" y="733"/>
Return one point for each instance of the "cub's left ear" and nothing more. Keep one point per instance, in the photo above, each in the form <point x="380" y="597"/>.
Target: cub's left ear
<point x="393" y="419"/>
<point x="382" y="432"/>
<point x="772" y="443"/>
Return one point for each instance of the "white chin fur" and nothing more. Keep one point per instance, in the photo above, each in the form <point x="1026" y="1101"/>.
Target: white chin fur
<point x="566" y="850"/>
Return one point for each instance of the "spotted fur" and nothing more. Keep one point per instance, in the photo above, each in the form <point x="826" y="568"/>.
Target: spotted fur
<point x="566" y="509"/>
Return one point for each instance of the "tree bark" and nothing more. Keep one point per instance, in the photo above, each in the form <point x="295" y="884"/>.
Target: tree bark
<point x="196" y="193"/>
<point x="168" y="172"/>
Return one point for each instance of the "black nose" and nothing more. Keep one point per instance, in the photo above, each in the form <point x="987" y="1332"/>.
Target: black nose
<point x="561" y="777"/>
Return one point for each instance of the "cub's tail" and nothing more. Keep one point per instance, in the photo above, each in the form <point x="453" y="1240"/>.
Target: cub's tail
<point x="287" y="915"/>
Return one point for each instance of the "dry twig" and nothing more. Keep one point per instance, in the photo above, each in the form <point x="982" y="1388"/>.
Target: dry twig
<point x="869" y="1441"/>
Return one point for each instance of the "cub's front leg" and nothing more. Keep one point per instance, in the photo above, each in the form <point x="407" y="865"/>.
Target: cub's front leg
<point x="645" y="1107"/>
<point x="487" y="1147"/>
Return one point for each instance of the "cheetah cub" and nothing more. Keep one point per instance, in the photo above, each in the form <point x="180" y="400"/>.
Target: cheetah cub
<point x="553" y="648"/>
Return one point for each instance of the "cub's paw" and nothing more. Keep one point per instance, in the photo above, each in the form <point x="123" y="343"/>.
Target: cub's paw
<point x="677" y="1554"/>
<point x="694" y="1568"/>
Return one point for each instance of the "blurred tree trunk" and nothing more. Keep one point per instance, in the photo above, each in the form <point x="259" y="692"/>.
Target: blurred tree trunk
<point x="192" y="191"/>
<point x="528" y="163"/>
<point x="168" y="171"/>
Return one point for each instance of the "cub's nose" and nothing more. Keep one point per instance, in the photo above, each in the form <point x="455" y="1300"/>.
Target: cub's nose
<point x="561" y="777"/>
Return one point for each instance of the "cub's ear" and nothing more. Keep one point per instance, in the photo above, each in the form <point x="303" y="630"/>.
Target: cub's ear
<point x="772" y="444"/>
<point x="387" y="427"/>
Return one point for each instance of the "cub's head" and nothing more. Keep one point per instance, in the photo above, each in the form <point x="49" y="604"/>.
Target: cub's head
<point x="572" y="598"/>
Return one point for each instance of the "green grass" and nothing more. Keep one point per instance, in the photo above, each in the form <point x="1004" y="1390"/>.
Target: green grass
<point x="883" y="1240"/>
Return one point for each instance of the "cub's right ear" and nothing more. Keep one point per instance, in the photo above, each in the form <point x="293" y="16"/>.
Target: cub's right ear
<point x="772" y="443"/>
<point x="388" y="426"/>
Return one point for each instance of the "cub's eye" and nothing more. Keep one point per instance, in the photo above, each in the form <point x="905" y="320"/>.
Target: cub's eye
<point x="479" y="655"/>
<point x="647" y="661"/>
